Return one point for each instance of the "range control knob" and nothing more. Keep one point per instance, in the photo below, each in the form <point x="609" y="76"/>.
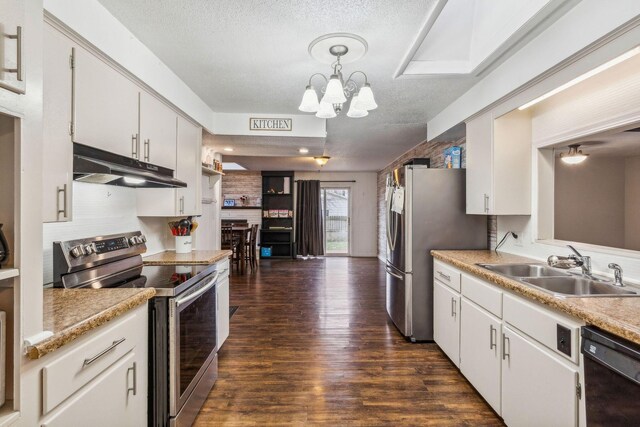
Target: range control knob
<point x="133" y="241"/>
<point x="142" y="239"/>
<point x="89" y="249"/>
<point x="77" y="251"/>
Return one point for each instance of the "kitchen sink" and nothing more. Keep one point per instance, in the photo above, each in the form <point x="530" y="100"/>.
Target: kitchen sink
<point x="577" y="286"/>
<point x="524" y="270"/>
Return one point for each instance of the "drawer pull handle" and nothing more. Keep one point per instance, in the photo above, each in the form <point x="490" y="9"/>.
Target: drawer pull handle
<point x="453" y="307"/>
<point x="116" y="343"/>
<point x="444" y="276"/>
<point x="492" y="337"/>
<point x="133" y="389"/>
<point x="505" y="340"/>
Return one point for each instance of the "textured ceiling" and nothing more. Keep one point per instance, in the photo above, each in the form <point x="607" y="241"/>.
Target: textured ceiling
<point x="251" y="57"/>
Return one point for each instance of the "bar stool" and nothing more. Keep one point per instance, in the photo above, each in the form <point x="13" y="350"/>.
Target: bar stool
<point x="252" y="247"/>
<point x="229" y="241"/>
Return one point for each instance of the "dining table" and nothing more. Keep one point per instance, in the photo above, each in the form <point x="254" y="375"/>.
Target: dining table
<point x="241" y="231"/>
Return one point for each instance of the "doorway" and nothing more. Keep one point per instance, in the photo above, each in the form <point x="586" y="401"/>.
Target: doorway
<point x="336" y="218"/>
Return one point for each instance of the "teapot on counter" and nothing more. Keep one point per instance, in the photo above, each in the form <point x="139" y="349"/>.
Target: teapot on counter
<point x="4" y="248"/>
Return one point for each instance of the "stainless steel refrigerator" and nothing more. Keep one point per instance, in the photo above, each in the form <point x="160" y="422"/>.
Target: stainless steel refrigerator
<point x="425" y="211"/>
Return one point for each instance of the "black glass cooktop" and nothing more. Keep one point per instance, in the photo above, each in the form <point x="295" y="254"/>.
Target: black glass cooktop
<point x="169" y="280"/>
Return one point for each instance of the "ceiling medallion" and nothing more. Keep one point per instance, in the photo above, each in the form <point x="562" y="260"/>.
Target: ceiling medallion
<point x="335" y="49"/>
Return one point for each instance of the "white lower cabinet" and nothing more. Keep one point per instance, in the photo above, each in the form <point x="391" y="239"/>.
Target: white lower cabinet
<point x="100" y="380"/>
<point x="480" y="351"/>
<point x="114" y="399"/>
<point x="521" y="356"/>
<point x="222" y="311"/>
<point x="446" y="320"/>
<point x="538" y="389"/>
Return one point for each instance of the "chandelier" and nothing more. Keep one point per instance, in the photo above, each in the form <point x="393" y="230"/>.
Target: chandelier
<point x="337" y="91"/>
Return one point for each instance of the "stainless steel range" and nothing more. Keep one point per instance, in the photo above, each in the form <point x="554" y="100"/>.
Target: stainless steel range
<point x="183" y="362"/>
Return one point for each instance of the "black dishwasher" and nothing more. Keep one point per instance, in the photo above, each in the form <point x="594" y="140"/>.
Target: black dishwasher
<point x="612" y="379"/>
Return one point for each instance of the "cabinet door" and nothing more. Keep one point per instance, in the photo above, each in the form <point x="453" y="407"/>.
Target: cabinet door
<point x="189" y="167"/>
<point x="537" y="388"/>
<point x="480" y="351"/>
<point x="117" y="398"/>
<point x="157" y="132"/>
<point x="12" y="73"/>
<point x="57" y="147"/>
<point x="105" y="107"/>
<point x="222" y="311"/>
<point x="479" y="151"/>
<point x="446" y="321"/>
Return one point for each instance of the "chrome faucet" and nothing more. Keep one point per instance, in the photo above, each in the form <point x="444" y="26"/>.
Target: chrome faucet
<point x="574" y="260"/>
<point x="617" y="273"/>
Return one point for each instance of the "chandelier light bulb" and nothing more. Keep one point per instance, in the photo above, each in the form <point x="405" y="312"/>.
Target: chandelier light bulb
<point x="335" y="92"/>
<point x="326" y="111"/>
<point x="365" y="98"/>
<point x="354" y="111"/>
<point x="309" y="102"/>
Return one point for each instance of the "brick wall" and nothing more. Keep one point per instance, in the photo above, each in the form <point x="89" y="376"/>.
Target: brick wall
<point x="435" y="151"/>
<point x="236" y="184"/>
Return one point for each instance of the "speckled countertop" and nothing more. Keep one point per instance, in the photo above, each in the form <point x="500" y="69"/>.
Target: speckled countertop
<point x="618" y="315"/>
<point x="192" y="258"/>
<point x="70" y="313"/>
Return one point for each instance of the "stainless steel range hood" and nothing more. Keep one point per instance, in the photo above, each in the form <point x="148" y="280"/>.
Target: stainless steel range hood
<point x="102" y="167"/>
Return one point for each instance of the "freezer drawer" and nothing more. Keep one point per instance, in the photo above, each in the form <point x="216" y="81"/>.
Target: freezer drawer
<point x="399" y="299"/>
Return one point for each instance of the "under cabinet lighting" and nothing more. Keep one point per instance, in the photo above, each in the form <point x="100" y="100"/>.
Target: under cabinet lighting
<point x="633" y="52"/>
<point x="134" y="181"/>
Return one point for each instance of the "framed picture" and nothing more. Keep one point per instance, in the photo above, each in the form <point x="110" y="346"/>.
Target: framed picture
<point x="229" y="202"/>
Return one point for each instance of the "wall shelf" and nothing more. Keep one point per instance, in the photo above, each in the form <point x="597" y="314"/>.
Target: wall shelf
<point x="209" y="171"/>
<point x="8" y="273"/>
<point x="242" y="207"/>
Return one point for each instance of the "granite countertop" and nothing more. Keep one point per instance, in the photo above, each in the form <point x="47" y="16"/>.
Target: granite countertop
<point x="70" y="313"/>
<point x="618" y="315"/>
<point x="192" y="258"/>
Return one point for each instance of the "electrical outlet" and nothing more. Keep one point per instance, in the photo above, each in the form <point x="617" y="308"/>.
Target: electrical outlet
<point x="518" y="240"/>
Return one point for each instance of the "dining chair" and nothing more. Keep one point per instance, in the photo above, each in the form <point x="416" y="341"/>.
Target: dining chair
<point x="229" y="241"/>
<point x="252" y="247"/>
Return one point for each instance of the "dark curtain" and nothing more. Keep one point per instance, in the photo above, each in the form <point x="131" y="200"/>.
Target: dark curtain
<point x="309" y="234"/>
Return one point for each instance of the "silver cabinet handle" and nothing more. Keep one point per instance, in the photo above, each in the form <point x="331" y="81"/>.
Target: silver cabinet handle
<point x="90" y="360"/>
<point x="196" y="294"/>
<point x="18" y="38"/>
<point x="453" y="307"/>
<point x="182" y="204"/>
<point x="134" y="146"/>
<point x="505" y="339"/>
<point x="133" y="389"/>
<point x="486" y="202"/>
<point x="62" y="211"/>
<point x="147" y="149"/>
<point x="492" y="337"/>
<point x="444" y="276"/>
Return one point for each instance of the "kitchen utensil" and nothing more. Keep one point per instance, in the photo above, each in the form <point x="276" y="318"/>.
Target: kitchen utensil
<point x="185" y="227"/>
<point x="4" y="248"/>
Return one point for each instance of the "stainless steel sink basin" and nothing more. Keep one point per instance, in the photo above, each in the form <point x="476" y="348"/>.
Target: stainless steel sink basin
<point x="524" y="270"/>
<point x="577" y="286"/>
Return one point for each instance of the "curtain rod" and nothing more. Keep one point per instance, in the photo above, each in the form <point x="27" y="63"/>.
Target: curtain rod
<point x="330" y="181"/>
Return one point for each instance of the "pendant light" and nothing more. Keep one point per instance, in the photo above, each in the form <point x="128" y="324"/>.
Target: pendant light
<point x="365" y="98"/>
<point x="574" y="156"/>
<point x="335" y="92"/>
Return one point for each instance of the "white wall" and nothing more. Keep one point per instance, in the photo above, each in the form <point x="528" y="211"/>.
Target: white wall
<point x="98" y="210"/>
<point x="363" y="207"/>
<point x="95" y="24"/>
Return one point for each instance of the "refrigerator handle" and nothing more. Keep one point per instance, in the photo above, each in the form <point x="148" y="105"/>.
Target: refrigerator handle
<point x="397" y="276"/>
<point x="391" y="236"/>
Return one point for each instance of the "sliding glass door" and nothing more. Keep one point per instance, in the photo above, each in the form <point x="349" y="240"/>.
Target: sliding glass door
<point x="336" y="207"/>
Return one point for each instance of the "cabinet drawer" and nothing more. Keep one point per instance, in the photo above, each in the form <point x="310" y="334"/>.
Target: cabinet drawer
<point x="447" y="275"/>
<point x="557" y="332"/>
<point x="65" y="375"/>
<point x="483" y="294"/>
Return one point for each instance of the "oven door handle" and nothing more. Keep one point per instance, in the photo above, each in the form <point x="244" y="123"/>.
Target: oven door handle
<point x="188" y="298"/>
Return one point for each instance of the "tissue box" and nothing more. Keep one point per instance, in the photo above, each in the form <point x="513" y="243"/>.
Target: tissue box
<point x="265" y="251"/>
<point x="452" y="158"/>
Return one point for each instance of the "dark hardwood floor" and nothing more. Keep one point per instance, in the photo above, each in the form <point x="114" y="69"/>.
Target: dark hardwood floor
<point x="311" y="345"/>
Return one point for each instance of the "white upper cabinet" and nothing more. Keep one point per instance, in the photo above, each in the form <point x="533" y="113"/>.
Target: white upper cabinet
<point x="157" y="132"/>
<point x="106" y="107"/>
<point x="12" y="71"/>
<point x="189" y="167"/>
<point x="499" y="164"/>
<point x="57" y="147"/>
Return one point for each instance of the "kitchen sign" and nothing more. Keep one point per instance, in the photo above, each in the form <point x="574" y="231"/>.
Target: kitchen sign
<point x="267" y="124"/>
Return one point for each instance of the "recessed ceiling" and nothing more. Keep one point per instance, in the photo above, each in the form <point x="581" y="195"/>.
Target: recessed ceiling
<point x="252" y="56"/>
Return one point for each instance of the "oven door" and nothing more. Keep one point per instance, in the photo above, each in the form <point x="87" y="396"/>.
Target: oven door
<point x="192" y="340"/>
